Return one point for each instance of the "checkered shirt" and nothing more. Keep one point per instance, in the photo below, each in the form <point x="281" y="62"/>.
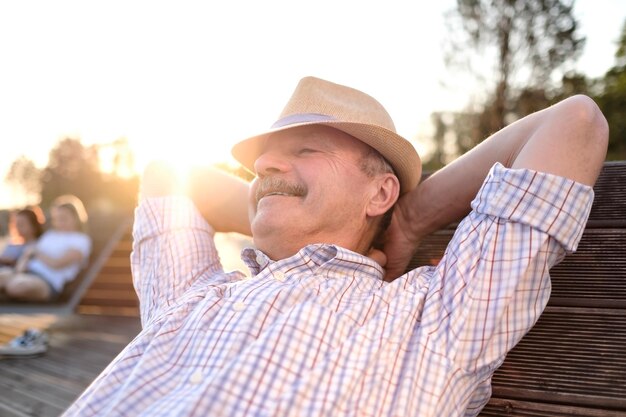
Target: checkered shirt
<point x="320" y="333"/>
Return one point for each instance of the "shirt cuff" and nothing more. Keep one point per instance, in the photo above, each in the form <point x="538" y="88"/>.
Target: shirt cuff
<point x="555" y="205"/>
<point x="158" y="215"/>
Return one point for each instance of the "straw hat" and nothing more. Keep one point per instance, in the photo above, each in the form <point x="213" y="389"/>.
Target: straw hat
<point x="320" y="102"/>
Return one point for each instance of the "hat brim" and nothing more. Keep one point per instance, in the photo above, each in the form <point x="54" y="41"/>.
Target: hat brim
<point x="394" y="148"/>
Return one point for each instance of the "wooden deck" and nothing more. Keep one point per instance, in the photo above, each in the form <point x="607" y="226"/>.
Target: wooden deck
<point x="81" y="346"/>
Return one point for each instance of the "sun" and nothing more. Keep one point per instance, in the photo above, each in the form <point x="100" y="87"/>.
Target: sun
<point x="182" y="155"/>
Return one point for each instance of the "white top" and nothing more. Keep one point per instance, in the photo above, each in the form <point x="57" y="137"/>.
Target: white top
<point x="55" y="244"/>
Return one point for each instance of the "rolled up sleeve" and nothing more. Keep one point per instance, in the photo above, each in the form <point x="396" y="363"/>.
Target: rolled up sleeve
<point x="555" y="205"/>
<point x="493" y="282"/>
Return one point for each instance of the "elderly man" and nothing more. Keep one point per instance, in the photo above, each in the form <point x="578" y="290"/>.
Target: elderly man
<point x="319" y="328"/>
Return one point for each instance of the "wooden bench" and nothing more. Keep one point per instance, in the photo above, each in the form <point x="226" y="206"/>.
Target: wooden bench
<point x="573" y="362"/>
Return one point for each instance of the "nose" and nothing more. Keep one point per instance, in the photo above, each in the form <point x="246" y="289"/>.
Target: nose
<point x="271" y="162"/>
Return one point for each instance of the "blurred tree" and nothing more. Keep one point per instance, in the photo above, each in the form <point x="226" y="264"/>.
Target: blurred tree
<point x="612" y="100"/>
<point x="23" y="173"/>
<point x="437" y="158"/>
<point x="72" y="168"/>
<point x="120" y="183"/>
<point x="75" y="169"/>
<point x="526" y="41"/>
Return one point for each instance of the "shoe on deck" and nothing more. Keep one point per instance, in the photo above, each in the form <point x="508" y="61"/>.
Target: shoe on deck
<point x="31" y="342"/>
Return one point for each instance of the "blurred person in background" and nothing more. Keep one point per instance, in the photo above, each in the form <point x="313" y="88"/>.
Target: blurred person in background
<point x="57" y="258"/>
<point x="25" y="227"/>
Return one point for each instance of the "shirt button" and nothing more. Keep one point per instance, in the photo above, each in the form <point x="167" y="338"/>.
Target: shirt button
<point x="260" y="259"/>
<point x="279" y="276"/>
<point x="196" y="377"/>
<point x="239" y="306"/>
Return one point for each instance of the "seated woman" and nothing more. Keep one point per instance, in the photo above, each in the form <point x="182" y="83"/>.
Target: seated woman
<point x="26" y="226"/>
<point x="57" y="258"/>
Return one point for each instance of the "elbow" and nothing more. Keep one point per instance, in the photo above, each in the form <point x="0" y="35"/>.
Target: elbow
<point x="587" y="118"/>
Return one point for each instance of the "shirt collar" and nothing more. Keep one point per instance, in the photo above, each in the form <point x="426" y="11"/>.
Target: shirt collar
<point x="323" y="259"/>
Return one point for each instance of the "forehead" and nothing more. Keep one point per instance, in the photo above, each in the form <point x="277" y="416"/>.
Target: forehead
<point x="325" y="137"/>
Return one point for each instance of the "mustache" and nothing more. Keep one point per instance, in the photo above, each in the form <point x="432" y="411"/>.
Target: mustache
<point x="270" y="185"/>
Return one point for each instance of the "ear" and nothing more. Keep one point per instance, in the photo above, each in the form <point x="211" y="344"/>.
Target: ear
<point x="385" y="192"/>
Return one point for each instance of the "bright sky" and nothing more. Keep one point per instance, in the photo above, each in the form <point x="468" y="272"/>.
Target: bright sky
<point x="183" y="80"/>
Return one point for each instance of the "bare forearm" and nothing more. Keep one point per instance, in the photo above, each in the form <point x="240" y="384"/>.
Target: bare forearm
<point x="222" y="199"/>
<point x="71" y="257"/>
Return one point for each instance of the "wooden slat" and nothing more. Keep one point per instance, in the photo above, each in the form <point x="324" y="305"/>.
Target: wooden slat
<point x="112" y="292"/>
<point x="609" y="207"/>
<point x="108" y="311"/>
<point x="119" y="278"/>
<point x="119" y="261"/>
<point x="500" y="408"/>
<point x="594" y="276"/>
<point x="110" y="296"/>
<point x="571" y="356"/>
<point x="125" y="245"/>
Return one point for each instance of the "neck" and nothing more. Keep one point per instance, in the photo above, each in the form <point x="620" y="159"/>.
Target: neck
<point x="286" y="247"/>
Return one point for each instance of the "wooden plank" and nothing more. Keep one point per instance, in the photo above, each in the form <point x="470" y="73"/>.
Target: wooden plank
<point x="8" y="411"/>
<point x="125" y="245"/>
<point x="121" y="278"/>
<point x="499" y="407"/>
<point x="572" y="357"/>
<point x="108" y="311"/>
<point x="106" y="295"/>
<point x="118" y="261"/>
<point x="80" y="348"/>
<point x="609" y="207"/>
<point x="594" y="276"/>
<point x="12" y="325"/>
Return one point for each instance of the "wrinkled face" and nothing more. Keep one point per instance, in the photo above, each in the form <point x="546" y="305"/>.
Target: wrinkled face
<point x="309" y="189"/>
<point x="24" y="227"/>
<point x="63" y="220"/>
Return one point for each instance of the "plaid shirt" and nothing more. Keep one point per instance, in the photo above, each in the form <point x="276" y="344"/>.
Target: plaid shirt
<point x="320" y="333"/>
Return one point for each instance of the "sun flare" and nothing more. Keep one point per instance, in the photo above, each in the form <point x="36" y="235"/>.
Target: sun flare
<point x="183" y="155"/>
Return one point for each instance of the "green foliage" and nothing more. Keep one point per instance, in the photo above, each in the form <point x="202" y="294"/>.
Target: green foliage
<point x="528" y="38"/>
<point x="26" y="175"/>
<point x="612" y="101"/>
<point x="496" y="24"/>
<point x="526" y="41"/>
<point x="72" y="169"/>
